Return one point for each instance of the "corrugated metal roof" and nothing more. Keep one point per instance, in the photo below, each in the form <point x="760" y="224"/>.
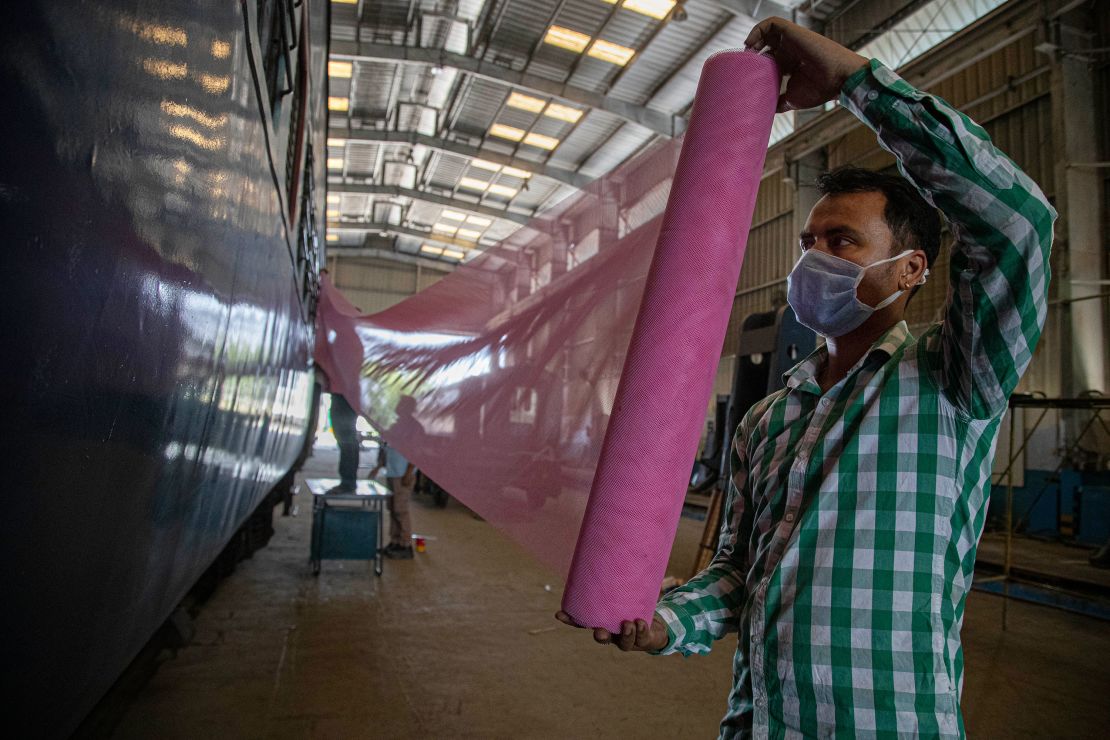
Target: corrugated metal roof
<point x="444" y="170"/>
<point x="625" y="28"/>
<point x="592" y="129"/>
<point x="477" y="106"/>
<point x="519" y="27"/>
<point x="379" y="15"/>
<point x="625" y="142"/>
<point x="535" y="194"/>
<point x="674" y="43"/>
<point x="362" y="159"/>
<point x="460" y="107"/>
<point x="372" y="86"/>
<point x="678" y="91"/>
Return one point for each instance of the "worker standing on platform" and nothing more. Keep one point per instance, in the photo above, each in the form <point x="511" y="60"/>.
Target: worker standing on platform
<point x="859" y="491"/>
<point x="343" y="424"/>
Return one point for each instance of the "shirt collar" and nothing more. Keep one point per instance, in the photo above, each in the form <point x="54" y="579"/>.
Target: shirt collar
<point x="805" y="372"/>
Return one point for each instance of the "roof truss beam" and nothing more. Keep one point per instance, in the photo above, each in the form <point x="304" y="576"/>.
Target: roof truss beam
<point x="441" y="200"/>
<point x="411" y="138"/>
<point x="657" y="121"/>
<point x="427" y="236"/>
<point x="859" y="23"/>
<point x="390" y="255"/>
<point x="757" y="9"/>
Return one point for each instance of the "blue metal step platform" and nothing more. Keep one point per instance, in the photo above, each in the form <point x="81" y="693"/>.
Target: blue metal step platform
<point x="347" y="526"/>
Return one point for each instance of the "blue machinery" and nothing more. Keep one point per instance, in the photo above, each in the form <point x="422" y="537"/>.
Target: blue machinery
<point x="1011" y="583"/>
<point x="770" y="344"/>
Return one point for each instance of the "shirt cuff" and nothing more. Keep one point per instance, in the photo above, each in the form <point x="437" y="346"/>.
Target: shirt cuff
<point x="675" y="633"/>
<point x="856" y="78"/>
<point x="670" y="619"/>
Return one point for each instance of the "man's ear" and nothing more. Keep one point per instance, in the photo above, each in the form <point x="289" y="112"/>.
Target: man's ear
<point x="914" y="270"/>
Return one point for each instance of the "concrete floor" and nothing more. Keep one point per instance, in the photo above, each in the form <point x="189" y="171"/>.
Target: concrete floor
<point x="1050" y="559"/>
<point x="461" y="643"/>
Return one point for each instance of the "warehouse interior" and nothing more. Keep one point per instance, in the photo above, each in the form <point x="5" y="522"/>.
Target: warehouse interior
<point x="404" y="147"/>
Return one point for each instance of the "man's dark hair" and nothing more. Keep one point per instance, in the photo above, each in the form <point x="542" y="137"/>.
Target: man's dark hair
<point x="914" y="223"/>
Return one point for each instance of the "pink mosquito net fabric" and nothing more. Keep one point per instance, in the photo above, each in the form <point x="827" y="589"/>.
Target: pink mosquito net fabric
<point x="557" y="383"/>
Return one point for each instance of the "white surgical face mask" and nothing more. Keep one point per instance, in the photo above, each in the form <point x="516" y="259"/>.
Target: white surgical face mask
<point x="822" y="291"/>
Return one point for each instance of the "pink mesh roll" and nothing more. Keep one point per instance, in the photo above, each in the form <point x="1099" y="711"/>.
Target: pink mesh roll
<point x="501" y="380"/>
<point x="641" y="479"/>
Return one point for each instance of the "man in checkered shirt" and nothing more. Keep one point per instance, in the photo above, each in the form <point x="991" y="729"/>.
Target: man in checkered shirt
<point x="859" y="491"/>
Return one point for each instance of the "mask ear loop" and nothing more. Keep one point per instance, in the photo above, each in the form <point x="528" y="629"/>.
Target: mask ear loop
<point x="924" y="276"/>
<point x="894" y="296"/>
<point x="891" y="299"/>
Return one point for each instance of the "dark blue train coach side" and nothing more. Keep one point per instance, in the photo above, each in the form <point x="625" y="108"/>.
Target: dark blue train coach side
<point x="158" y="196"/>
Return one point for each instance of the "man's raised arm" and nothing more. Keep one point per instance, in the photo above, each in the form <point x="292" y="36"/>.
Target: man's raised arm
<point x="1001" y="223"/>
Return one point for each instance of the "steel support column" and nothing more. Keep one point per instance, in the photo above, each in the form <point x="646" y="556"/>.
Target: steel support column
<point x="1079" y="232"/>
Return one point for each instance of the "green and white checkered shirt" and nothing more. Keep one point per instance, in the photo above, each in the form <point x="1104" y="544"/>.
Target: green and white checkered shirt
<point x="853" y="516"/>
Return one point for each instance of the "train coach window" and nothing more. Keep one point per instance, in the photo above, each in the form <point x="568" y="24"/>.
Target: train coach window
<point x="269" y="42"/>
<point x="308" y="249"/>
<point x="277" y="33"/>
<point x="296" y="133"/>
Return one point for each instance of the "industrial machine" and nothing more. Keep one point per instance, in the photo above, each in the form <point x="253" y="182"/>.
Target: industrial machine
<point x="770" y="343"/>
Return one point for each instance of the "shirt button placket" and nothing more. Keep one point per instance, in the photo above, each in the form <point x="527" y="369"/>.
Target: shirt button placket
<point x="759" y="688"/>
<point x="793" y="496"/>
<point x="798" y="471"/>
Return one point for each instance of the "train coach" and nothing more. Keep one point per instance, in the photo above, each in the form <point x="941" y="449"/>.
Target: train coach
<point x="160" y="185"/>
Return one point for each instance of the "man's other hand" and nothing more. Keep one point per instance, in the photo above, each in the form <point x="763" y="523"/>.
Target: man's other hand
<point x="818" y="67"/>
<point x="634" y="635"/>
